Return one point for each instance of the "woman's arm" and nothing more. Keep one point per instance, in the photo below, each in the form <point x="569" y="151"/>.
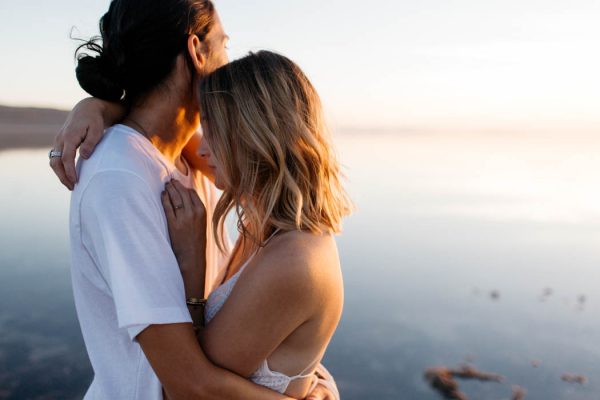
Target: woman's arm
<point x="83" y="129"/>
<point x="186" y="373"/>
<point x="173" y="349"/>
<point x="186" y="218"/>
<point x="187" y="230"/>
<point x="265" y="308"/>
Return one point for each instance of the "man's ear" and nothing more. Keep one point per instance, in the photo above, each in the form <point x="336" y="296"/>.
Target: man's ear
<point x="197" y="52"/>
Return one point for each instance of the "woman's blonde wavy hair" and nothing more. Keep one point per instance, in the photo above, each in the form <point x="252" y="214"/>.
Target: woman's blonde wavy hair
<point x="264" y="125"/>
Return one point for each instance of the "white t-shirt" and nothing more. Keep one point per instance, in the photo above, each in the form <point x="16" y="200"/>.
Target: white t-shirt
<point x="125" y="275"/>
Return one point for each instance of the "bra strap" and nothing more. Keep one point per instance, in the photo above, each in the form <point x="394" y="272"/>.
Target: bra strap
<point x="271" y="237"/>
<point x="255" y="252"/>
<point x="312" y="365"/>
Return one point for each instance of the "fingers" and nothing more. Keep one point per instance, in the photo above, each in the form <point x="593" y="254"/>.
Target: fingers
<point x="93" y="136"/>
<point x="185" y="196"/>
<point x="166" y="202"/>
<point x="321" y="393"/>
<point x="185" y="202"/>
<point x="196" y="202"/>
<point x="69" y="150"/>
<point x="57" y="166"/>
<point x="64" y="166"/>
<point x="175" y="197"/>
<point x="68" y="162"/>
<point x="84" y="127"/>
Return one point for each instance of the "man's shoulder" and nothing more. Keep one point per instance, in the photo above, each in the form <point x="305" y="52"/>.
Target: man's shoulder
<point x="123" y="151"/>
<point x="123" y="148"/>
<point x="123" y="164"/>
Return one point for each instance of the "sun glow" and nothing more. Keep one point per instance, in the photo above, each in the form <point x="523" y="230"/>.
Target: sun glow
<point x="520" y="177"/>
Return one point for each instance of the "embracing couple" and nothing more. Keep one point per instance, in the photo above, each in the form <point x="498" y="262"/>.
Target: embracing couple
<point x="167" y="306"/>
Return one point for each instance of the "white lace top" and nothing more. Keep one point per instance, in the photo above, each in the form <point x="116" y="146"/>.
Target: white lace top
<point x="263" y="375"/>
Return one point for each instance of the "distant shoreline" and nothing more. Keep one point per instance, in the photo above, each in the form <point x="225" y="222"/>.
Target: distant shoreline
<point x="28" y="127"/>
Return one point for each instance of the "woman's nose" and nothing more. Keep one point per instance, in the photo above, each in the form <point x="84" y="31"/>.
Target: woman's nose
<point x="203" y="150"/>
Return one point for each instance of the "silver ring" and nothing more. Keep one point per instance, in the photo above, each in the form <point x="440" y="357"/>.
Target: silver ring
<point x="179" y="206"/>
<point x="54" y="153"/>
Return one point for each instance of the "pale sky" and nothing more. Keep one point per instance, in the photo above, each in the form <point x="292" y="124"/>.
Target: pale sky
<point x="398" y="64"/>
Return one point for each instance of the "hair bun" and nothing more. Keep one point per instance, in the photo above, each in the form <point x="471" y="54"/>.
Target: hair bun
<point x="94" y="77"/>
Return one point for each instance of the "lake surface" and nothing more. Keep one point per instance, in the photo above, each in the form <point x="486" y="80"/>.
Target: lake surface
<point x="479" y="248"/>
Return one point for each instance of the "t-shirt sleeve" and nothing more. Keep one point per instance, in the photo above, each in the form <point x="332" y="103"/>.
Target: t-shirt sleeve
<point x="124" y="228"/>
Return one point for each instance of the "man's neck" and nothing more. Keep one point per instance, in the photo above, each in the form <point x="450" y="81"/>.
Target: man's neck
<point x="168" y="128"/>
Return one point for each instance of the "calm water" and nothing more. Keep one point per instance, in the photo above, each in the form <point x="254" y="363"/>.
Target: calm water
<point x="442" y="222"/>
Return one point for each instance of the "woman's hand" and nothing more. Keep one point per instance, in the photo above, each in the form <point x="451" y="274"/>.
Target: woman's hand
<point x="321" y="392"/>
<point x="186" y="218"/>
<point x="83" y="129"/>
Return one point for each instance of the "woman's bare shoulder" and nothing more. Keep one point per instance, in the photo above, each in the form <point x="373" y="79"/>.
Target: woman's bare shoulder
<point x="300" y="261"/>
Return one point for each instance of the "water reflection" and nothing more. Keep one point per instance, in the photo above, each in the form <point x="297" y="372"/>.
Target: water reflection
<point x="41" y="349"/>
<point x="443" y="221"/>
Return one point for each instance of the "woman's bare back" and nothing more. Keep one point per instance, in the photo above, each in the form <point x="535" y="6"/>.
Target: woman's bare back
<point x="303" y="262"/>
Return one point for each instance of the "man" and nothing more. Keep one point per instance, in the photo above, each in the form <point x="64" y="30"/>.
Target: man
<point x="127" y="287"/>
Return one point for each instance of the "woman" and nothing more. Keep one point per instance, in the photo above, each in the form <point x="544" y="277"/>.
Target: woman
<point x="126" y="280"/>
<point x="273" y="316"/>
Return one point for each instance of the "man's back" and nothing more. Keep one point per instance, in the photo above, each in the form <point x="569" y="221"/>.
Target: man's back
<point x="125" y="276"/>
